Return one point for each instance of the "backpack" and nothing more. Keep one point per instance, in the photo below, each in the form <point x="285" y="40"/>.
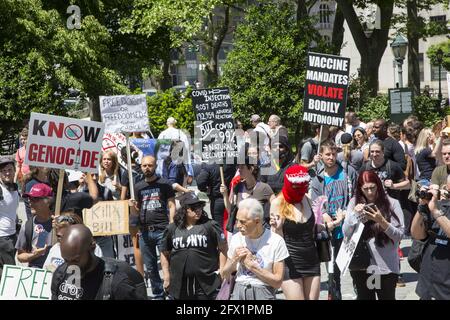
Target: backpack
<point x="314" y="147"/>
<point x="114" y="269"/>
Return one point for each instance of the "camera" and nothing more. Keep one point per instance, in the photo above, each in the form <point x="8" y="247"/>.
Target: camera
<point x="424" y="194"/>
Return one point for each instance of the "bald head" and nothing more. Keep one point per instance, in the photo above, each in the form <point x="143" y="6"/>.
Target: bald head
<point x="77" y="244"/>
<point x="148" y="166"/>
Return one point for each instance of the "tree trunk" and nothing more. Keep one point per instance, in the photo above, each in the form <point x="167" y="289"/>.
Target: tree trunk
<point x="94" y="108"/>
<point x="370" y="49"/>
<point x="413" y="47"/>
<point x="215" y="40"/>
<point x="337" y="37"/>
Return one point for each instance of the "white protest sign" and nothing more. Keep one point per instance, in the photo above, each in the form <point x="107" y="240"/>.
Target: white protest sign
<point x="107" y="218"/>
<point x="124" y="113"/>
<point x="348" y="248"/>
<point x="23" y="283"/>
<point x="64" y="143"/>
<point x="125" y="250"/>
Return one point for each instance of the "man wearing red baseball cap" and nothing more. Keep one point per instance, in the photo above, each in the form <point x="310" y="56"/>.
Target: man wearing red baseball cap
<point x="35" y="237"/>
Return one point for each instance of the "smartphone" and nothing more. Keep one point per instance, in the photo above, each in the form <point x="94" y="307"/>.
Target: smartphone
<point x="42" y="239"/>
<point x="370" y="205"/>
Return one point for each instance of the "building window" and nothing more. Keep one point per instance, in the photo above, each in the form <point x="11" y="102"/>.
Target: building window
<point x="421" y="67"/>
<point x="223" y="53"/>
<point x="439" y="19"/>
<point x="191" y="72"/>
<point x="174" y="73"/>
<point x="190" y="53"/>
<point x="324" y="16"/>
<point x="435" y="73"/>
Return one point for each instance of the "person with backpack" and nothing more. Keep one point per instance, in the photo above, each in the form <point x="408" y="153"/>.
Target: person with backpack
<point x="9" y="202"/>
<point x="308" y="155"/>
<point x="84" y="276"/>
<point x="190" y="252"/>
<point x="35" y="236"/>
<point x="336" y="183"/>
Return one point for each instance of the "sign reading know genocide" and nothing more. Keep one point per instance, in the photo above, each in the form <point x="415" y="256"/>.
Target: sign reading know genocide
<point x="23" y="283"/>
<point x="214" y="125"/>
<point x="326" y="88"/>
<point x="64" y="143"/>
<point x="124" y="113"/>
<point x="107" y="218"/>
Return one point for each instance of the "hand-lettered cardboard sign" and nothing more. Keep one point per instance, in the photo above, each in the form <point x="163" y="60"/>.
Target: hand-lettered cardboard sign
<point x="107" y="218"/>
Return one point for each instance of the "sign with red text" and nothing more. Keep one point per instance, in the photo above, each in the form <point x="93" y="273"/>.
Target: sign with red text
<point x="64" y="143"/>
<point x="326" y="87"/>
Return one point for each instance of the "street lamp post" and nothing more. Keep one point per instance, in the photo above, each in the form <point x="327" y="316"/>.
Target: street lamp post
<point x="439" y="57"/>
<point x="399" y="47"/>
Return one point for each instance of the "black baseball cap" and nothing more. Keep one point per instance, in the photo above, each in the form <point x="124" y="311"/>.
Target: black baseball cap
<point x="189" y="198"/>
<point x="6" y="160"/>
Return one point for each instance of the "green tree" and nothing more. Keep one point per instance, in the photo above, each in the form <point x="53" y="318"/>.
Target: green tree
<point x="445" y="47"/>
<point x="266" y="68"/>
<point x="375" y="108"/>
<point x="171" y="103"/>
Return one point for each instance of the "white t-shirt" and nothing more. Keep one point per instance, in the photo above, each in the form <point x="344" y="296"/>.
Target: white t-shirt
<point x="177" y="134"/>
<point x="54" y="258"/>
<point x="269" y="248"/>
<point x="8" y="212"/>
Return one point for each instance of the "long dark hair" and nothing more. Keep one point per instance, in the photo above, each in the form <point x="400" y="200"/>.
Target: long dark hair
<point x="372" y="229"/>
<point x="180" y="218"/>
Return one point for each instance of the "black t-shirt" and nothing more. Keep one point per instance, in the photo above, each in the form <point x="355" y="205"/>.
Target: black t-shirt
<point x="390" y="170"/>
<point x="394" y="151"/>
<point x="425" y="164"/>
<point x="76" y="201"/>
<point x="193" y="253"/>
<point x="89" y="285"/>
<point x="152" y="198"/>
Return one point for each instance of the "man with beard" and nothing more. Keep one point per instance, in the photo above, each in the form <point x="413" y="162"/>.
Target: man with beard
<point x="84" y="276"/>
<point x="155" y="204"/>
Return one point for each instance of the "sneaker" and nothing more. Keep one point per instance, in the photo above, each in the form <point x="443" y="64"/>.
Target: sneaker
<point x="400" y="283"/>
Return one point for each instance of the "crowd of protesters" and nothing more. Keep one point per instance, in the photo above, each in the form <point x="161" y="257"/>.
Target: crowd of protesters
<point x="265" y="215"/>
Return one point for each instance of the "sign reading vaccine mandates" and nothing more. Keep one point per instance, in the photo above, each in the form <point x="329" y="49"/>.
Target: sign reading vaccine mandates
<point x="326" y="87"/>
<point x="214" y="125"/>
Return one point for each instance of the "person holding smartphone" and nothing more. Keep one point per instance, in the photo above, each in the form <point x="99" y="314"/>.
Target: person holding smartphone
<point x="35" y="236"/>
<point x="383" y="222"/>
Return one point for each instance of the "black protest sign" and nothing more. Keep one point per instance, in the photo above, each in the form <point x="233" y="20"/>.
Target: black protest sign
<point x="214" y="125"/>
<point x="326" y="88"/>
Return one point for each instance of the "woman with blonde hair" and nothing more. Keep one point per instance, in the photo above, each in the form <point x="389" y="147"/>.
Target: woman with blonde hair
<point x="109" y="174"/>
<point x="293" y="218"/>
<point x="425" y="155"/>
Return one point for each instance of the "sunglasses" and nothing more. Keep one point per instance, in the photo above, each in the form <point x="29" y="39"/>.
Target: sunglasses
<point x="196" y="206"/>
<point x="68" y="219"/>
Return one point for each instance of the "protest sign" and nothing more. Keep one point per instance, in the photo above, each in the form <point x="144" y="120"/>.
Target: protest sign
<point x="63" y="143"/>
<point x="348" y="248"/>
<point x="124" y="113"/>
<point x="125" y="250"/>
<point x="326" y="87"/>
<point x="107" y="218"/>
<point x="23" y="283"/>
<point x="214" y="125"/>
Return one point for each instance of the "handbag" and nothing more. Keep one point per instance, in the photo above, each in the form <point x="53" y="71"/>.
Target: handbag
<point x="361" y="257"/>
<point x="323" y="244"/>
<point x="416" y="253"/>
<point x="227" y="287"/>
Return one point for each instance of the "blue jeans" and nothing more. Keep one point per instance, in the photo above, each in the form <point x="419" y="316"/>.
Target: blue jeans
<point x="148" y="243"/>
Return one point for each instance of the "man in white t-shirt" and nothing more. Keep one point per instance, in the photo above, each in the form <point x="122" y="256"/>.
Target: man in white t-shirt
<point x="9" y="201"/>
<point x="256" y="254"/>
<point x="173" y="133"/>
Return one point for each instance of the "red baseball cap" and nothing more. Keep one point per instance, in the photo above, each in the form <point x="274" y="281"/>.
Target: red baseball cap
<point x="39" y="190"/>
